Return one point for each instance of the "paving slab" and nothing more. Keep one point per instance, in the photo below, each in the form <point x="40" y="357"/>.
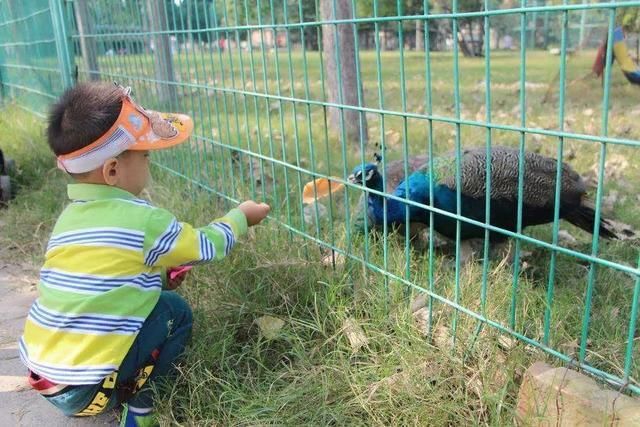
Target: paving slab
<point x="563" y="397"/>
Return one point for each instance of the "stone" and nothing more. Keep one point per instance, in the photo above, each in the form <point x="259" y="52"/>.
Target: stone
<point x="563" y="397"/>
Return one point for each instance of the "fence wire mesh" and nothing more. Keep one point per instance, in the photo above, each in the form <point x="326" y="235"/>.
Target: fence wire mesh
<point x="402" y="79"/>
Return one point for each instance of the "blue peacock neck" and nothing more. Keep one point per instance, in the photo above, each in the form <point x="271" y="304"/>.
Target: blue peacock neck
<point x="416" y="188"/>
<point x="395" y="208"/>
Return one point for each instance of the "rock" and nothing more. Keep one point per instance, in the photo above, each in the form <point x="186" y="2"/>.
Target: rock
<point x="355" y="334"/>
<point x="270" y="326"/>
<point x="566" y="238"/>
<point x="314" y="212"/>
<point x="609" y="201"/>
<point x="421" y="320"/>
<point x="562" y="397"/>
<point x="442" y="338"/>
<point x="333" y="258"/>
<point x="467" y="252"/>
<point x="506" y="342"/>
<point x="419" y="302"/>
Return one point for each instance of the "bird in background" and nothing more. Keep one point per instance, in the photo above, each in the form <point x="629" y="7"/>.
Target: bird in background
<point x="537" y="202"/>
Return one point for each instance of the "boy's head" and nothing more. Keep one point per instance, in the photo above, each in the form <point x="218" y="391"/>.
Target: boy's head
<point x="100" y="135"/>
<point x="82" y="115"/>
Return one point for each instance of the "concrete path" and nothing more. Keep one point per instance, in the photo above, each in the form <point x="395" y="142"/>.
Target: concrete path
<point x="19" y="404"/>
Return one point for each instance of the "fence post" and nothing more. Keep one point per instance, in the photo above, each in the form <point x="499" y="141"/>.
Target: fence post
<point x="2" y="78"/>
<point x="62" y="43"/>
<point x="87" y="44"/>
<point x="157" y="15"/>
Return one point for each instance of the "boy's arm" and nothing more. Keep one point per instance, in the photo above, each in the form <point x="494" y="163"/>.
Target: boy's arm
<point x="169" y="243"/>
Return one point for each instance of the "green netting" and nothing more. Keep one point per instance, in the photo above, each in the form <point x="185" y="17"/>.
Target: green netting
<point x="31" y="69"/>
<point x="252" y="76"/>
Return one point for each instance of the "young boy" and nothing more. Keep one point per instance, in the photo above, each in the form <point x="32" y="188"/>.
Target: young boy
<point x="102" y="326"/>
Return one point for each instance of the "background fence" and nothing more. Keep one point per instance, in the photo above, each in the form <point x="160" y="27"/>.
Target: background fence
<point x="272" y="113"/>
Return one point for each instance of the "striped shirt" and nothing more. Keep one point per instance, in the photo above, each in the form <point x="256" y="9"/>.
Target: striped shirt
<point x="104" y="268"/>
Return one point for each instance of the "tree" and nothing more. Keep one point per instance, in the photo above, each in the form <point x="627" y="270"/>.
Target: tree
<point x="469" y="44"/>
<point x="338" y="47"/>
<point x="629" y="19"/>
<point x="233" y="13"/>
<point x="163" y="62"/>
<point x="416" y="7"/>
<point x="88" y="48"/>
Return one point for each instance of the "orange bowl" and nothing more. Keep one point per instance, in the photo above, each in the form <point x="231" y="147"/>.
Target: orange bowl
<point x="322" y="188"/>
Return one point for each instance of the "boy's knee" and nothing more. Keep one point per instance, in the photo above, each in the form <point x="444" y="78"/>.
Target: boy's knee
<point x="177" y="306"/>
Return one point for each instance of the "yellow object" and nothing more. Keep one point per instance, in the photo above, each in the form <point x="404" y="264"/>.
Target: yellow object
<point x="622" y="56"/>
<point x="322" y="188"/>
<point x="100" y="400"/>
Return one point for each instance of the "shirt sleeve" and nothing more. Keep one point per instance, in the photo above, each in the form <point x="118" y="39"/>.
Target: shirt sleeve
<point x="169" y="243"/>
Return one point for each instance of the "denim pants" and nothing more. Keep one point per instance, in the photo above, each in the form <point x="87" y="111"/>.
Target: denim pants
<point x="167" y="329"/>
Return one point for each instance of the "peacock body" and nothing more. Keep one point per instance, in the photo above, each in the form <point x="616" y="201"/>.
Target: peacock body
<point x="538" y="194"/>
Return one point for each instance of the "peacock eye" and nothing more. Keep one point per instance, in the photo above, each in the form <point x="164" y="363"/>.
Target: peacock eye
<point x="358" y="174"/>
<point x="369" y="175"/>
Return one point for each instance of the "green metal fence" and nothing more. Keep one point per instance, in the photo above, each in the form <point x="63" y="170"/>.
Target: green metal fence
<point x="35" y="56"/>
<point x="253" y="77"/>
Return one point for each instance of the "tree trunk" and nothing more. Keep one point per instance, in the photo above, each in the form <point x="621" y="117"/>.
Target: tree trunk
<point x="87" y="44"/>
<point x="462" y="43"/>
<point x="189" y="27"/>
<point x="495" y="39"/>
<point x="419" y="36"/>
<point x="342" y="53"/>
<point x="476" y="47"/>
<point x="162" y="52"/>
<point x="382" y="37"/>
<point x="469" y="46"/>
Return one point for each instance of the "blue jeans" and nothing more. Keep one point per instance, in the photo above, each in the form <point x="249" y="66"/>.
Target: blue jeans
<point x="167" y="329"/>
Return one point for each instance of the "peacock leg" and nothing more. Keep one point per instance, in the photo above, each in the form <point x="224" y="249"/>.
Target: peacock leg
<point x="468" y="250"/>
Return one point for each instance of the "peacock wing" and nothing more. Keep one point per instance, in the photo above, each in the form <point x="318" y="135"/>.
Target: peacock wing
<point x="395" y="170"/>
<point x="539" y="177"/>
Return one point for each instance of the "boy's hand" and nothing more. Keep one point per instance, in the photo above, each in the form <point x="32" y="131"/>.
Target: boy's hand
<point x="255" y="212"/>
<point x="175" y="276"/>
<point x="173" y="284"/>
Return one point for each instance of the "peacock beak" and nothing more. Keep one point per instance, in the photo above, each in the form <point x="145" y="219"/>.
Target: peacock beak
<point x="352" y="179"/>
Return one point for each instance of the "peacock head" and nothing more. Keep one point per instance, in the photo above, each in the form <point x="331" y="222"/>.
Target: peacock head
<point x="366" y="174"/>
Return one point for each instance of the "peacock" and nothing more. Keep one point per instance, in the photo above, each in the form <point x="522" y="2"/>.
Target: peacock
<point x="538" y="194"/>
<point x="369" y="173"/>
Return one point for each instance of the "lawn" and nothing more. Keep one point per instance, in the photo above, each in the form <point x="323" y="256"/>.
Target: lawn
<point x="436" y="365"/>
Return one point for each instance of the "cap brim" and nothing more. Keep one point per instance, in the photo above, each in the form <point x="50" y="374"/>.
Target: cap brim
<point x="154" y="139"/>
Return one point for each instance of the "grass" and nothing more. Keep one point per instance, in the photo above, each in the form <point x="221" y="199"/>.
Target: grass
<point x="310" y="374"/>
